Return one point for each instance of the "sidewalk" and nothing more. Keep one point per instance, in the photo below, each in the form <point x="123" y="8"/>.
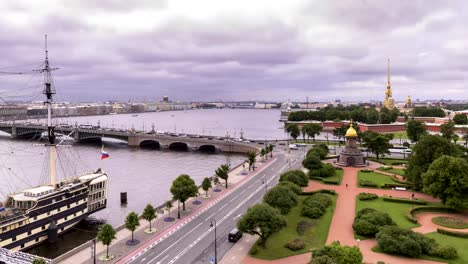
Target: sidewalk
<point x="119" y="248"/>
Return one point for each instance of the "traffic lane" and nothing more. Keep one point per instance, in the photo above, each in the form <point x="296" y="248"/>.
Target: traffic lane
<point x="175" y="243"/>
<point x="205" y="249"/>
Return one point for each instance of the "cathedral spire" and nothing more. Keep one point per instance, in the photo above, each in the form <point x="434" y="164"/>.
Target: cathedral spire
<point x="388" y="74"/>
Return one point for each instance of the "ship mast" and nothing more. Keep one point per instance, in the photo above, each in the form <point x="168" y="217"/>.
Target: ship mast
<point x="49" y="92"/>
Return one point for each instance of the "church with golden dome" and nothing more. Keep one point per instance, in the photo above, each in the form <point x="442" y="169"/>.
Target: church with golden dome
<point x="351" y="155"/>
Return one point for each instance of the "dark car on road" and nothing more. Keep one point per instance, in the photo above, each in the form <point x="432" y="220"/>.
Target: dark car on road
<point x="234" y="235"/>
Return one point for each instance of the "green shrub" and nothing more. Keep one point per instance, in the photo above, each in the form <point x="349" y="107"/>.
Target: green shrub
<point x="452" y="233"/>
<point x="320" y="152"/>
<point x="403" y="200"/>
<point x="314" y="174"/>
<point x="321" y="198"/>
<point x="332" y="192"/>
<point x="393" y="185"/>
<point x="327" y="170"/>
<point x="296" y="244"/>
<point x="368" y="184"/>
<point x="303" y="226"/>
<point x="367" y="170"/>
<point x="367" y="196"/>
<point x="291" y="186"/>
<point x="327" y="181"/>
<point x="409" y="247"/>
<point x="368" y="222"/>
<point x="445" y="252"/>
<point x="450" y="222"/>
<point x="312" y="162"/>
<point x="297" y="177"/>
<point x="336" y="254"/>
<point x="323" y="146"/>
<point x="253" y="250"/>
<point x="338" y="168"/>
<point x="312" y="212"/>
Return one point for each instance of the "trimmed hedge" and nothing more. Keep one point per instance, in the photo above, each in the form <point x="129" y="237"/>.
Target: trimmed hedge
<point x="393" y="185"/>
<point x="332" y="192"/>
<point x="367" y="170"/>
<point x="367" y="196"/>
<point x="452" y="233"/>
<point x="368" y="184"/>
<point x="403" y="200"/>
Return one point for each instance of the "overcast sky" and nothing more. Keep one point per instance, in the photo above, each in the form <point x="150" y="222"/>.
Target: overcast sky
<point x="238" y="50"/>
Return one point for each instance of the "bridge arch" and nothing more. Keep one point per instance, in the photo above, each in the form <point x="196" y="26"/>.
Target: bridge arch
<point x="179" y="146"/>
<point x="208" y="148"/>
<point x="150" y="144"/>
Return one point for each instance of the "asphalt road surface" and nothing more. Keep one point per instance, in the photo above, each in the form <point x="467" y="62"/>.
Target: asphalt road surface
<point x="194" y="242"/>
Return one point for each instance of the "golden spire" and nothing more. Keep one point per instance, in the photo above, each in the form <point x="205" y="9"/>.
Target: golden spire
<point x="351" y="132"/>
<point x="388" y="74"/>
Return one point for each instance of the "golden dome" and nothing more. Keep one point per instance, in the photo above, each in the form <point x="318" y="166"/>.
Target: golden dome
<point x="351" y="132"/>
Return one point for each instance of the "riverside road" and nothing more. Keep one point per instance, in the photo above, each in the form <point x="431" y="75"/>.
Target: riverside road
<point x="194" y="242"/>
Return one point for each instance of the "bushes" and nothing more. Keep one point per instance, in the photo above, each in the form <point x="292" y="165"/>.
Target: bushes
<point x="368" y="221"/>
<point x="297" y="177"/>
<point x="326" y="171"/>
<point x="445" y="252"/>
<point x="312" y="162"/>
<point x="336" y="254"/>
<point x="296" y="244"/>
<point x="332" y="192"/>
<point x="368" y="184"/>
<point x="319" y="152"/>
<point x="367" y="170"/>
<point x="452" y="233"/>
<point x="367" y="196"/>
<point x="403" y="200"/>
<point x="316" y="205"/>
<point x="450" y="222"/>
<point x="312" y="212"/>
<point x="282" y="198"/>
<point x="291" y="186"/>
<point x="399" y="241"/>
<point x="394" y="185"/>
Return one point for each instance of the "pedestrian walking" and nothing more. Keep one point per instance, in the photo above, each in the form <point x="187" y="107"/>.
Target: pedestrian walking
<point x="346" y="186"/>
<point x="412" y="196"/>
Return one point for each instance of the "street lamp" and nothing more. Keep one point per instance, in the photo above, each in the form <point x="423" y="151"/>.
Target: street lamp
<point x="216" y="251"/>
<point x="94" y="251"/>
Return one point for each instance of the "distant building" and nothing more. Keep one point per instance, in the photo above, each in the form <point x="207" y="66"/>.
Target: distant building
<point x="389" y="102"/>
<point x="13" y="111"/>
<point x="165" y="98"/>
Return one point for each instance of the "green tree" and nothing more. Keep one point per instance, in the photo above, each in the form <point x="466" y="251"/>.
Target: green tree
<point x="415" y="130"/>
<point x="39" y="261"/>
<point x="340" y="132"/>
<point x="312" y="130"/>
<point x="149" y="214"/>
<point x="183" y="187"/>
<point x="428" y="149"/>
<point x="270" y="148"/>
<point x="206" y="185"/>
<point x="223" y="173"/>
<point x="293" y="130"/>
<point x="448" y="130"/>
<point x="263" y="153"/>
<point x="291" y="186"/>
<point x="372" y="116"/>
<point x="251" y="158"/>
<point x="262" y="220"/>
<point x="132" y="222"/>
<point x="447" y="178"/>
<point x="312" y="162"/>
<point x="168" y="205"/>
<point x="376" y="143"/>
<point x="385" y="116"/>
<point x="106" y="235"/>
<point x="337" y="254"/>
<point x="460" y="119"/>
<point x="297" y="177"/>
<point x="282" y="198"/>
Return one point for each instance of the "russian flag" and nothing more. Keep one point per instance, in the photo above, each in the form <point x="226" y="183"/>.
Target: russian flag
<point x="104" y="155"/>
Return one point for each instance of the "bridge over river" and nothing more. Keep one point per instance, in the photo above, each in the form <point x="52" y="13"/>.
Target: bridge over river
<point x="133" y="138"/>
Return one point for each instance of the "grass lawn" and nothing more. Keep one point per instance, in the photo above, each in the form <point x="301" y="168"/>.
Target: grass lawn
<point x="388" y="161"/>
<point x="314" y="238"/>
<point x="375" y="177"/>
<point x="338" y="177"/>
<point x="398" y="135"/>
<point x="393" y="170"/>
<point x="396" y="210"/>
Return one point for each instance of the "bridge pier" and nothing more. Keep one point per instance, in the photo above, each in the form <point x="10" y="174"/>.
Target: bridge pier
<point x="76" y="135"/>
<point x="134" y="141"/>
<point x="13" y="132"/>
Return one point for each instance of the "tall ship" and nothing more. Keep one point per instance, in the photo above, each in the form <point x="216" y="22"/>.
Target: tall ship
<point x="42" y="213"/>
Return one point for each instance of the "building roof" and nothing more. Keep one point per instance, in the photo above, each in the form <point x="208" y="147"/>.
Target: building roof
<point x="351" y="132"/>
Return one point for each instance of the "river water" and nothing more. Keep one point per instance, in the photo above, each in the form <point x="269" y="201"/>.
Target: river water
<point x="146" y="175"/>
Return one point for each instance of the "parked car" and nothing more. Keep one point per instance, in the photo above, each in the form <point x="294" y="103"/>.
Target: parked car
<point x="234" y="235"/>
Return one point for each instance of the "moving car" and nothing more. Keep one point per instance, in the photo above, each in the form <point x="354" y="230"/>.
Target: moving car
<point x="234" y="235"/>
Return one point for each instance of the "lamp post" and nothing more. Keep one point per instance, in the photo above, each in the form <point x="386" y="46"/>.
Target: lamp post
<point x="94" y="251"/>
<point x="216" y="251"/>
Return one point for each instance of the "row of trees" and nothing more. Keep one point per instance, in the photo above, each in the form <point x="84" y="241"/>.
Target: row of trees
<point x="362" y="114"/>
<point x="428" y="112"/>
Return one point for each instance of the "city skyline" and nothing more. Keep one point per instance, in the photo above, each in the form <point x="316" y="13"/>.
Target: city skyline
<point x="213" y="50"/>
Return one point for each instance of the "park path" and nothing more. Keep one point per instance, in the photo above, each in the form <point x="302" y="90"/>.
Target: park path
<point x="341" y="226"/>
<point x="427" y="226"/>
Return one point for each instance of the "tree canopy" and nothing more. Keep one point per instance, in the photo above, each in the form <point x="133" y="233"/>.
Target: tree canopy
<point x="337" y="254"/>
<point x="106" y="235"/>
<point x="448" y="130"/>
<point x="293" y="130"/>
<point x="149" y="214"/>
<point x="262" y="220"/>
<point x="223" y="172"/>
<point x="282" y="198"/>
<point x="376" y="143"/>
<point x="297" y="177"/>
<point x="415" y="130"/>
<point x="428" y="112"/>
<point x="206" y="185"/>
<point x="447" y="178"/>
<point x="312" y="130"/>
<point x="428" y="149"/>
<point x="460" y="119"/>
<point x="183" y="187"/>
